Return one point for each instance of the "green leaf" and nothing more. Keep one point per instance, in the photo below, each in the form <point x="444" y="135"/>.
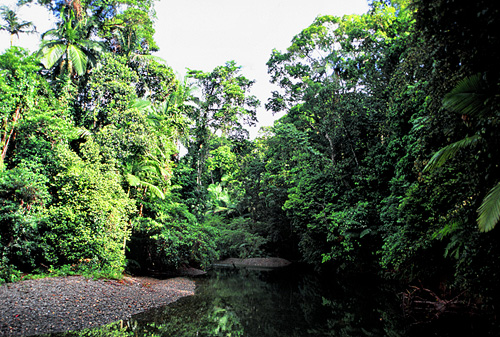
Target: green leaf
<point x="52" y="54"/>
<point x="78" y="59"/>
<point x="156" y="191"/>
<point x="489" y="211"/>
<point x="133" y="180"/>
<point x="141" y="104"/>
<point x="365" y="232"/>
<point x="468" y="97"/>
<point x="449" y="151"/>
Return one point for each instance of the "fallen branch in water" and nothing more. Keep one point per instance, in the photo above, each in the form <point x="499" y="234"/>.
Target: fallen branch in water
<point x="424" y="305"/>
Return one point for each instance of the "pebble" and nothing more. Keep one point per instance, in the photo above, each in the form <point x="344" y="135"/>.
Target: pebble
<point x="57" y="304"/>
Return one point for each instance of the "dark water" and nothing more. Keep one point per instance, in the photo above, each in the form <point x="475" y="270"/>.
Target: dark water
<point x="269" y="303"/>
<point x="287" y="303"/>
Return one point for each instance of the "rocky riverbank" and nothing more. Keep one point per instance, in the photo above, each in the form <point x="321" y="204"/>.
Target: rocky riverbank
<point x="48" y="305"/>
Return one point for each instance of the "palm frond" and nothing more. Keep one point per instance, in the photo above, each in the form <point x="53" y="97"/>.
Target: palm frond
<point x="135" y="181"/>
<point x="78" y="59"/>
<point x="132" y="180"/>
<point x="468" y="97"/>
<point x="84" y="133"/>
<point x="90" y="45"/>
<point x="489" y="211"/>
<point x="47" y="44"/>
<point x="54" y="33"/>
<point x="449" y="151"/>
<point x="148" y="165"/>
<point x="27" y="27"/>
<point x="156" y="191"/>
<point x="52" y="54"/>
<point x="147" y="58"/>
<point x="5" y="11"/>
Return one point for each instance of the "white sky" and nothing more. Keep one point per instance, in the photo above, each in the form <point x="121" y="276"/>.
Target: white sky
<point x="203" y="34"/>
<point x="42" y="19"/>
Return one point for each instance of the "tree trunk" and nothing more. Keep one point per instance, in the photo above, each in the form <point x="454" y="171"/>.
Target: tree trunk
<point x="332" y="148"/>
<point x="5" y="140"/>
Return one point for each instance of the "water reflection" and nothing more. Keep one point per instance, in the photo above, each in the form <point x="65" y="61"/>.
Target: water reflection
<point x="274" y="303"/>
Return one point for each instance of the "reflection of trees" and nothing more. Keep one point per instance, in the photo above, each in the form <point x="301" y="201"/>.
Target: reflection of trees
<point x="250" y="304"/>
<point x="350" y="307"/>
<point x="293" y="304"/>
<point x="225" y="323"/>
<point x="118" y="329"/>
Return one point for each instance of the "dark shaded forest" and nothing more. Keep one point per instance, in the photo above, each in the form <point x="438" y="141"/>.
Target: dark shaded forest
<point x="386" y="161"/>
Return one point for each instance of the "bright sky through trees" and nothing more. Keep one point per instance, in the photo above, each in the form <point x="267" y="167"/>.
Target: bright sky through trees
<point x="40" y="16"/>
<point x="201" y="34"/>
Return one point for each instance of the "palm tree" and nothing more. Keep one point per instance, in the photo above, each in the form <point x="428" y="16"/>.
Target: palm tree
<point x="145" y="176"/>
<point x="69" y="50"/>
<point x="472" y="98"/>
<point x="138" y="171"/>
<point x="13" y="25"/>
<point x="168" y="118"/>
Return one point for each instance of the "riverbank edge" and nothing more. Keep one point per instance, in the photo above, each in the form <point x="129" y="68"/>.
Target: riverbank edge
<point x="263" y="263"/>
<point x="57" y="304"/>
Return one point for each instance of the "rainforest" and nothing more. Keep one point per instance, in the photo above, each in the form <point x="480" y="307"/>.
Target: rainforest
<point x="385" y="162"/>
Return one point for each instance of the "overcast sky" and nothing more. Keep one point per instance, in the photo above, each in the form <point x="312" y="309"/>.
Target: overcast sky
<point x="203" y="34"/>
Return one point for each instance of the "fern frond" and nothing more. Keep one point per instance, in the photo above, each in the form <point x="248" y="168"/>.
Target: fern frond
<point x="489" y="211"/>
<point x="449" y="151"/>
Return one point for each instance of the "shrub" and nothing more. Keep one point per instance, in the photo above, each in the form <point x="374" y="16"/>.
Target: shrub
<point x="88" y="220"/>
<point x="23" y="194"/>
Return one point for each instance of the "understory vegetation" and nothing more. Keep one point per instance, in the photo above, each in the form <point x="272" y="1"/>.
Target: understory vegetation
<point x="386" y="160"/>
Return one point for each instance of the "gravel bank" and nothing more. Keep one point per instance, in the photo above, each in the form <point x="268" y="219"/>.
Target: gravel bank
<point x="72" y="303"/>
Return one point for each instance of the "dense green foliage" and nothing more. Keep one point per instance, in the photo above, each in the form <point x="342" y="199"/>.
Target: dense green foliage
<point x="369" y="100"/>
<point x="91" y="126"/>
<point x="386" y="159"/>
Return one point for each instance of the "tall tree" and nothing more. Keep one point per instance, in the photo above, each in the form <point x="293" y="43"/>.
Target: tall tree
<point x="131" y="33"/>
<point x="106" y="15"/>
<point x="19" y="90"/>
<point x="224" y="106"/>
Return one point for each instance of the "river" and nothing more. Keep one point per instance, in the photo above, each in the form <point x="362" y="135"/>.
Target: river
<point x="286" y="302"/>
